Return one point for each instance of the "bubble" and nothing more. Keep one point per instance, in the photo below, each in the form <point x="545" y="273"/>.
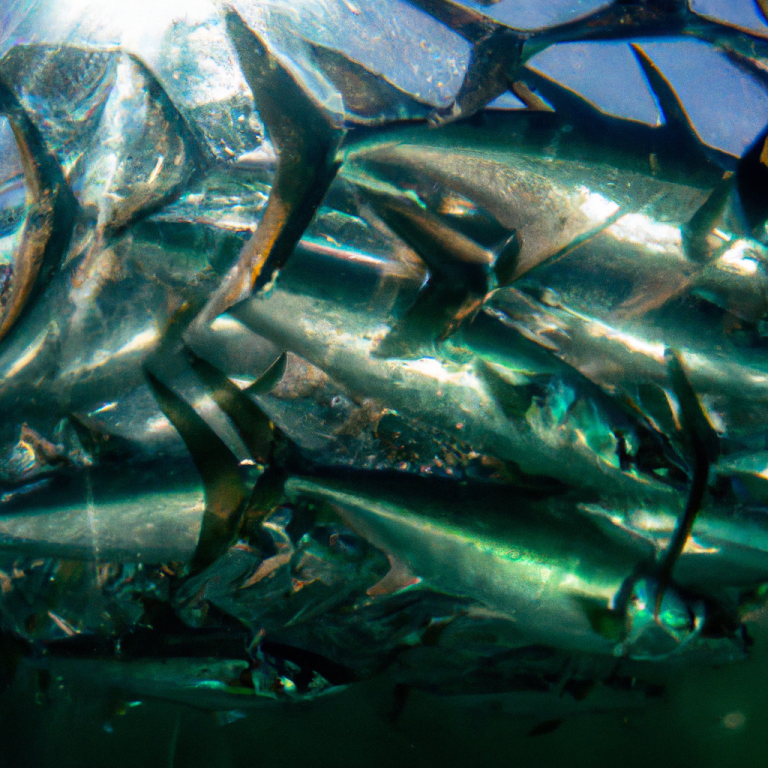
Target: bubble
<point x="734" y="721"/>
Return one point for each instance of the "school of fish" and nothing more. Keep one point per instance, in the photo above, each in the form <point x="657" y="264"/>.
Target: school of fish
<point x="322" y="378"/>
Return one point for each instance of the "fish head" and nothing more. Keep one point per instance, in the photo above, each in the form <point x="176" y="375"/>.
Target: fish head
<point x="683" y="628"/>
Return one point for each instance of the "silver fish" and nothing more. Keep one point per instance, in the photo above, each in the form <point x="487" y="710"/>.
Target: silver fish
<point x="556" y="578"/>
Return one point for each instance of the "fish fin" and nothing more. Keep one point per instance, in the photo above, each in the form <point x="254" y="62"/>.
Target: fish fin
<point x="174" y="742"/>
<point x="445" y="250"/>
<point x="266" y="443"/>
<point x="578" y="689"/>
<point x="677" y="124"/>
<point x="654" y="401"/>
<point x="368" y="97"/>
<point x="695" y="422"/>
<point x="307" y="143"/>
<point x="620" y="20"/>
<point x="50" y="216"/>
<point x="253" y="426"/>
<point x="460" y="272"/>
<point x="494" y="58"/>
<point x="400" y="695"/>
<point x="548" y="726"/>
<point x="493" y="66"/>
<point x="564" y="100"/>
<point x="269" y="379"/>
<point x="398" y="577"/>
<point x="218" y="468"/>
<point x="266" y="495"/>
<point x="696" y="232"/>
<point x="705" y="449"/>
<point x="437" y="312"/>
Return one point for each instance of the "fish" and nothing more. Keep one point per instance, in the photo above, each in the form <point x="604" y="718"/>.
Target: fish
<point x="554" y="576"/>
<point x="644" y="191"/>
<point x="457" y="393"/>
<point x="626" y="357"/>
<point x="499" y="51"/>
<point x="209" y="683"/>
<point x="115" y="512"/>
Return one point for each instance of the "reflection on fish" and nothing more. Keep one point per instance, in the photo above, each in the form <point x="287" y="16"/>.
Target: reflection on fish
<point x="554" y="576"/>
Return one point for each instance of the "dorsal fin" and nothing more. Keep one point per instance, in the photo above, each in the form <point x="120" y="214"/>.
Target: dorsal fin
<point x="696" y="232"/>
<point x="267" y="381"/>
<point x="368" y="97"/>
<point x="218" y="468"/>
<point x="752" y="184"/>
<point x="571" y="105"/>
<point x="253" y="426"/>
<point x="677" y="123"/>
<point x="306" y="141"/>
<point x="50" y="216"/>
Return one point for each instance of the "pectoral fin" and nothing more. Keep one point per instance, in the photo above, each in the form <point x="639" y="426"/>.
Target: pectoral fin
<point x="269" y="379"/>
<point x="398" y="577"/>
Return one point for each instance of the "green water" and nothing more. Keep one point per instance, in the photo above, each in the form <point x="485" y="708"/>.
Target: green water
<point x="706" y="717"/>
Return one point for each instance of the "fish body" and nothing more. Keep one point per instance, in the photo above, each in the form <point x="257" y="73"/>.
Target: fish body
<point x="448" y="391"/>
<point x="557" y="577"/>
<point x="209" y="683"/>
<point x="102" y="514"/>
<point x="627" y="356"/>
<point x="542" y="176"/>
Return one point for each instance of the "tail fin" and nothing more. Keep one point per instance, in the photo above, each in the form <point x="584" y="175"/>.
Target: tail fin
<point x="306" y="142"/>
